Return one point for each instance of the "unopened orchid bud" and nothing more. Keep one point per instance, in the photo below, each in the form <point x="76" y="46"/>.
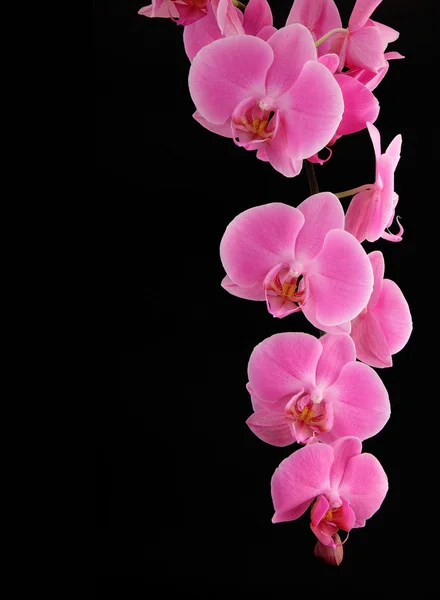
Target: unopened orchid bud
<point x="331" y="556"/>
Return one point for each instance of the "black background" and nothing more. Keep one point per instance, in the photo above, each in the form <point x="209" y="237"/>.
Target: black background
<point x="183" y="486"/>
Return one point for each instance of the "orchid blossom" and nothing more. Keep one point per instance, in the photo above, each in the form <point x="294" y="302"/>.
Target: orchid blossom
<point x="371" y="210"/>
<point x="273" y="97"/>
<point x="298" y="259"/>
<point x="345" y="487"/>
<point x="186" y="12"/>
<point x="384" y="326"/>
<point x="306" y="390"/>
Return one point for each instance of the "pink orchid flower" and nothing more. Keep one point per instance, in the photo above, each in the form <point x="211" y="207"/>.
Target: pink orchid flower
<point x="256" y="20"/>
<point x="384" y="326"/>
<point x="307" y="390"/>
<point x="274" y="96"/>
<point x="360" y="105"/>
<point x="319" y="16"/>
<point x="347" y="487"/>
<point x="298" y="259"/>
<point x="363" y="44"/>
<point x="186" y="12"/>
<point x="371" y="211"/>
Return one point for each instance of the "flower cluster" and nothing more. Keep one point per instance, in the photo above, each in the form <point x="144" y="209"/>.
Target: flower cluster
<point x="290" y="94"/>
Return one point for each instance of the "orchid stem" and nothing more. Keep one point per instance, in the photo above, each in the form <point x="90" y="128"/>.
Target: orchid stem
<point x="311" y="176"/>
<point x="354" y="191"/>
<point x="239" y="4"/>
<point x="329" y="34"/>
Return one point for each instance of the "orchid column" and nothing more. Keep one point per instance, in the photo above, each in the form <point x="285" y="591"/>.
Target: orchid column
<point x="289" y="95"/>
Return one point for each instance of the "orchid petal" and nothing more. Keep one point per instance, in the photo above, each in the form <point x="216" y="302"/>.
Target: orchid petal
<point x="271" y="427"/>
<point x="378" y="264"/>
<point x="293" y="41"/>
<point x="371" y="344"/>
<point x="224" y="129"/>
<point x="256" y="292"/>
<point x="201" y="33"/>
<point x="228" y="18"/>
<point x="393" y="313"/>
<point x="383" y="199"/>
<point x="360" y="105"/>
<point x="313" y="107"/>
<point x="258" y="239"/>
<point x="340" y="278"/>
<point x="257" y="15"/>
<point x="299" y="479"/>
<point x="226" y="72"/>
<point x="359" y="214"/>
<point x="337" y="351"/>
<point x="322" y="213"/>
<point x="362" y="11"/>
<point x="375" y="138"/>
<point x="360" y="403"/>
<point x="343" y="449"/>
<point x="364" y="485"/>
<point x="364" y="49"/>
<point x="283" y="364"/>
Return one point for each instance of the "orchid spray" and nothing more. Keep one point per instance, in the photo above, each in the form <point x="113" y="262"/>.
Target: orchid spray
<point x="289" y="95"/>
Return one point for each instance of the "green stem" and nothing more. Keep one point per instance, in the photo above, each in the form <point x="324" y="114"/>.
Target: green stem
<point x="238" y="4"/>
<point x="329" y="34"/>
<point x="311" y="176"/>
<point x="354" y="191"/>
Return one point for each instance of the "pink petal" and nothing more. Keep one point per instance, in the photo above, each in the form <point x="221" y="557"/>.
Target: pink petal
<point x="226" y="72"/>
<point x="322" y="213"/>
<point x="393" y="313"/>
<point x="255" y="401"/>
<point x="319" y="16"/>
<point x="258" y="239"/>
<point x="340" y="278"/>
<point x="360" y="105"/>
<point x="378" y="264"/>
<point x="337" y="351"/>
<point x="313" y="107"/>
<point x="383" y="199"/>
<point x="394" y="150"/>
<point x="266" y="33"/>
<point x="318" y="511"/>
<point x="293" y="47"/>
<point x="309" y="310"/>
<point x="392" y="55"/>
<point x="364" y="50"/>
<point x="364" y="485"/>
<point x="370" y="341"/>
<point x="276" y="151"/>
<point x="160" y="8"/>
<point x="256" y="292"/>
<point x="257" y="15"/>
<point x="343" y="450"/>
<point x="271" y="427"/>
<point x="360" y="402"/>
<point x="224" y="130"/>
<point x="362" y="11"/>
<point x="299" y="479"/>
<point x="189" y="13"/>
<point x="375" y="138"/>
<point x="201" y="33"/>
<point x="283" y="364"/>
<point x="359" y="214"/>
<point x="387" y="34"/>
<point x="228" y="18"/>
<point x="331" y="61"/>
